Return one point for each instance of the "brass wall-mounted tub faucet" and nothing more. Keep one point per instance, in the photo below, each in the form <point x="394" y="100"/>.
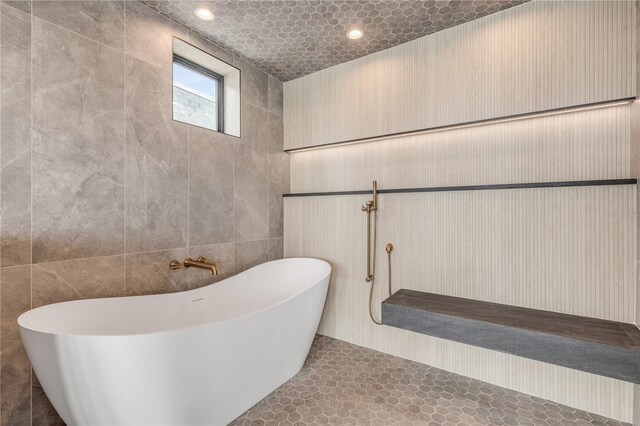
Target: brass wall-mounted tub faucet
<point x="200" y="262"/>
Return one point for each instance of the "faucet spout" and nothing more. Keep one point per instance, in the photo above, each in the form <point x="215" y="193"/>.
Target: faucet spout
<point x="202" y="263"/>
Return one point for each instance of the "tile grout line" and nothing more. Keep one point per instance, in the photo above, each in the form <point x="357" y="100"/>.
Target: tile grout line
<point x="124" y="142"/>
<point x="139" y="252"/>
<point x="34" y="19"/>
<point x="1" y="345"/>
<point x="31" y="79"/>
<point x="0" y="185"/>
<point x="100" y="43"/>
<point x="326" y="350"/>
<point x="188" y="198"/>
<point x="233" y="174"/>
<point x="268" y="172"/>
<point x="76" y="33"/>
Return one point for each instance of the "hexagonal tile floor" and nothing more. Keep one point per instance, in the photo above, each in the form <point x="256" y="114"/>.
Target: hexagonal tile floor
<point x="344" y="384"/>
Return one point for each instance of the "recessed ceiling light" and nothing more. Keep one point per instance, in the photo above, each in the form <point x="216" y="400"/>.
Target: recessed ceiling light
<point x="355" y="34"/>
<point x="204" y="14"/>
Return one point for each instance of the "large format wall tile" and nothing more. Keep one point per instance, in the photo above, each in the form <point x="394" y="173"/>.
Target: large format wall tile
<point x="15" y="403"/>
<point x="78" y="191"/>
<point x="254" y="84"/>
<point x="250" y="253"/>
<point x="101" y="137"/>
<point x="275" y="210"/>
<point x="15" y="369"/>
<point x="149" y="273"/>
<point x="156" y="162"/>
<point x="15" y="298"/>
<point x="15" y="138"/>
<point x="221" y="254"/>
<point x="102" y="21"/>
<point x="275" y="97"/>
<point x="278" y="175"/>
<point x="15" y="384"/>
<point x="77" y="279"/>
<point x="149" y="36"/>
<point x="21" y="5"/>
<point x="210" y="187"/>
<point x="276" y="248"/>
<point x="42" y="412"/>
<point x="15" y="364"/>
<point x="251" y="169"/>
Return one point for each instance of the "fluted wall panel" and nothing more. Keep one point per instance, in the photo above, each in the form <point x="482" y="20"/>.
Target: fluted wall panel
<point x="537" y="56"/>
<point x="583" y="145"/>
<point x="563" y="249"/>
<point x="569" y="250"/>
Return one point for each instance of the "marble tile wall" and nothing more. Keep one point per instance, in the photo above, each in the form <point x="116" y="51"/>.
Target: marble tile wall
<point x="100" y="188"/>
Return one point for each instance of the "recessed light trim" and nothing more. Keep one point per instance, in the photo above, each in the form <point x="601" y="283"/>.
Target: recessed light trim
<point x="204" y="14"/>
<point x="355" y="34"/>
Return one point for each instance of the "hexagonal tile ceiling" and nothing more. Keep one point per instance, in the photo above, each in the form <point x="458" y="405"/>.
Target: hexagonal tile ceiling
<point x="292" y="38"/>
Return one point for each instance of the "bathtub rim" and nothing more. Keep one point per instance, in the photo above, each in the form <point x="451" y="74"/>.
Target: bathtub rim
<point x="21" y="318"/>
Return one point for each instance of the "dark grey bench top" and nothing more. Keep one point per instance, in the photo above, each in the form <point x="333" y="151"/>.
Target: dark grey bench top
<point x="607" y="348"/>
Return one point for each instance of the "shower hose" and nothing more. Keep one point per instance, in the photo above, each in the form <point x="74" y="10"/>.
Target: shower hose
<point x="371" y="255"/>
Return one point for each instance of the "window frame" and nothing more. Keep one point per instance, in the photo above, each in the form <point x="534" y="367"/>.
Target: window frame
<point x="219" y="92"/>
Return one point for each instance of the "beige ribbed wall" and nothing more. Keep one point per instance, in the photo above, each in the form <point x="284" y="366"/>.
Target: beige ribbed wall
<point x="559" y="249"/>
<point x="563" y="249"/>
<point x="583" y="145"/>
<point x="537" y="56"/>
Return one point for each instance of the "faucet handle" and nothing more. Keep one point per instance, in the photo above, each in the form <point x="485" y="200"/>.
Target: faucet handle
<point x="174" y="264"/>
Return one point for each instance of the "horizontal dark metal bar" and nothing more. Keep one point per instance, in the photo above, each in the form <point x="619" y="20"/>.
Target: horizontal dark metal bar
<point x="467" y="124"/>
<point x="563" y="184"/>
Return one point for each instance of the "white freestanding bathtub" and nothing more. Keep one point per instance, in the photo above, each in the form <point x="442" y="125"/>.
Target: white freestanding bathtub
<point x="199" y="357"/>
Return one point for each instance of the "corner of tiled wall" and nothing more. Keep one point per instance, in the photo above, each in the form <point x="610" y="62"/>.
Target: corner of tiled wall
<point x="100" y="188"/>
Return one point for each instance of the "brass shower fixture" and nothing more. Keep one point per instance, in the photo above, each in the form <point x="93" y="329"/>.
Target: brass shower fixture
<point x="372" y="205"/>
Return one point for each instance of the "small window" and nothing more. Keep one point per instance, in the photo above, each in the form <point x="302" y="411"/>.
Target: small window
<point x="206" y="90"/>
<point x="197" y="95"/>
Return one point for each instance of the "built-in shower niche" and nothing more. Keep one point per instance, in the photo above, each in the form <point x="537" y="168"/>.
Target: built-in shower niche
<point x="606" y="348"/>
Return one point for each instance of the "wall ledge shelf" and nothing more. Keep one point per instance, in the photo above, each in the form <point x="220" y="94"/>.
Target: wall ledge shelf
<point x="561" y="184"/>
<point x="473" y="123"/>
<point x="602" y="347"/>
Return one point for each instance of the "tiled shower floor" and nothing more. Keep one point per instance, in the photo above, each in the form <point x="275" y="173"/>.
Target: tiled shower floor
<point x="344" y="384"/>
